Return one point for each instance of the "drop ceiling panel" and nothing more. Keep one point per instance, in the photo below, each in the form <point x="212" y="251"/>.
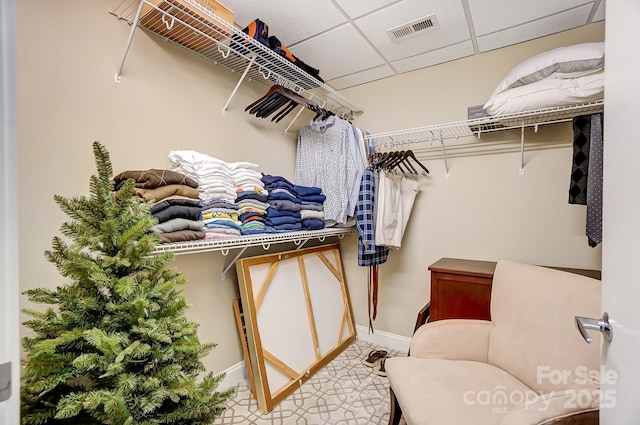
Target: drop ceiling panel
<point x="357" y="8"/>
<point x="339" y="52"/>
<point x="424" y="60"/>
<point x="497" y="15"/>
<point x="531" y="30"/>
<point x="600" y="12"/>
<point x="362" y="77"/>
<point x="348" y="41"/>
<point x="290" y="21"/>
<point x="452" y="28"/>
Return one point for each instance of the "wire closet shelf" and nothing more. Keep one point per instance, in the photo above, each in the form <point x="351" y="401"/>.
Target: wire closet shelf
<point x="299" y="238"/>
<point x="424" y="137"/>
<point x="198" y="29"/>
<point x="478" y="126"/>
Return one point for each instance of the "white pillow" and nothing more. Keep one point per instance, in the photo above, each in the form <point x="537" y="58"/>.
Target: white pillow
<point x="563" y="62"/>
<point x="548" y="93"/>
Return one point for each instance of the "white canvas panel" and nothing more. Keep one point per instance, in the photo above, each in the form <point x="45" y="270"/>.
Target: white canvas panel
<point x="327" y="301"/>
<point x="294" y="304"/>
<point x="283" y="321"/>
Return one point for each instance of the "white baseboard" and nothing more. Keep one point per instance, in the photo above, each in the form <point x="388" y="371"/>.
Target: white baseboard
<point x="384" y="339"/>
<point x="236" y="374"/>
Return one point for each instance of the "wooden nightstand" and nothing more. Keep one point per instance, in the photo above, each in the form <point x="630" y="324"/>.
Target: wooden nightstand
<point x="461" y="289"/>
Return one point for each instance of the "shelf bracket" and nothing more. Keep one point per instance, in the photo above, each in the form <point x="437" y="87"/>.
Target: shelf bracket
<point x="134" y="26"/>
<point x="522" y="148"/>
<point x="232" y="262"/>
<point x="300" y="243"/>
<point x="444" y="156"/>
<point x="286" y="130"/>
<point x="233" y="93"/>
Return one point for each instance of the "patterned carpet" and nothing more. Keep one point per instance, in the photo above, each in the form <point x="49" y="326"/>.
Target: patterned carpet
<point x="345" y="392"/>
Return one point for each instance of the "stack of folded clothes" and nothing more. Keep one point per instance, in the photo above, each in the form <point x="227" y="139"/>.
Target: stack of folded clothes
<point x="225" y="189"/>
<point x="157" y="185"/>
<point x="215" y="179"/>
<point x="177" y="208"/>
<point x="220" y="219"/>
<point x="293" y="207"/>
<point x="252" y="209"/>
<point x="311" y="207"/>
<point x="283" y="214"/>
<point x="251" y="197"/>
<point x="178" y="220"/>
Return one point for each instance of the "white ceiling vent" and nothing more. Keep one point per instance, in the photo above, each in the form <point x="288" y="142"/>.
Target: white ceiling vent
<point x="413" y="28"/>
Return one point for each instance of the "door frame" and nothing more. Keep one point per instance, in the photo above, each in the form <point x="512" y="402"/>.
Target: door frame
<point x="9" y="284"/>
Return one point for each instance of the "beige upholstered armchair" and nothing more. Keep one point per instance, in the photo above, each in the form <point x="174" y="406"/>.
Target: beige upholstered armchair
<point x="528" y="365"/>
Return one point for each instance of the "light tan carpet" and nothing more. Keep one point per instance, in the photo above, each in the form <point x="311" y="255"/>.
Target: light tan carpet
<point x="345" y="392"/>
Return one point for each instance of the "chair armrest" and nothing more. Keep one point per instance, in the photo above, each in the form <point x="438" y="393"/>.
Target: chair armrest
<point x="453" y="339"/>
<point x="556" y="408"/>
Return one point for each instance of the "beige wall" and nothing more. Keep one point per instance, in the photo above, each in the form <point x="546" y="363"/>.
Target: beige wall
<point x="485" y="210"/>
<point x="169" y="99"/>
<point x="68" y="52"/>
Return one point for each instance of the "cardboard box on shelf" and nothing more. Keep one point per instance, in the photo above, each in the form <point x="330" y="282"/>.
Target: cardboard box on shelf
<point x="182" y="21"/>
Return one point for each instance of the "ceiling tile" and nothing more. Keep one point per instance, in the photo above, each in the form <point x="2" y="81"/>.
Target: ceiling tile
<point x="452" y="27"/>
<point x="435" y="57"/>
<point x="497" y="15"/>
<point x="301" y="19"/>
<point x="539" y="28"/>
<point x="361" y="77"/>
<point x="600" y="13"/>
<point x="337" y="53"/>
<point x="356" y="8"/>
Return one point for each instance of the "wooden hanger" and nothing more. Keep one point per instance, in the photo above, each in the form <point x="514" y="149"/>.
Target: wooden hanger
<point x="281" y="101"/>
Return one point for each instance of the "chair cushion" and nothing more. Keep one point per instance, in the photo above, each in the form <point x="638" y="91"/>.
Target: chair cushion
<point x="453" y="392"/>
<point x="535" y="337"/>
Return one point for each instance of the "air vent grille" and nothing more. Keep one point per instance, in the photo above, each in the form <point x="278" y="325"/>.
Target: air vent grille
<point x="413" y="28"/>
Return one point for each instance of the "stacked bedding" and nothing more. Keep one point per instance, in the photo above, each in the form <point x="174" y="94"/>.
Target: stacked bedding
<point x="564" y="76"/>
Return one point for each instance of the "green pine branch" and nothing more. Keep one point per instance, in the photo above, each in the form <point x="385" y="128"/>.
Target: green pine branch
<point x="114" y="346"/>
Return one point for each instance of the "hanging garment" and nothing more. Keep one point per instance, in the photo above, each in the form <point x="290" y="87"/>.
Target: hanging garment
<point x="360" y="161"/>
<point x="395" y="202"/>
<point x="580" y="164"/>
<point x="389" y="207"/>
<point x="368" y="253"/>
<point x="323" y="160"/>
<point x="594" y="182"/>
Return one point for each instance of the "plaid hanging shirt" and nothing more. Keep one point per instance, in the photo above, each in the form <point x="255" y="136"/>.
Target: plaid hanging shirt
<point x="368" y="253"/>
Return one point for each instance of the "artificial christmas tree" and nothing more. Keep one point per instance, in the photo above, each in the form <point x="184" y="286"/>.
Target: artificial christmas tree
<point x="115" y="348"/>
